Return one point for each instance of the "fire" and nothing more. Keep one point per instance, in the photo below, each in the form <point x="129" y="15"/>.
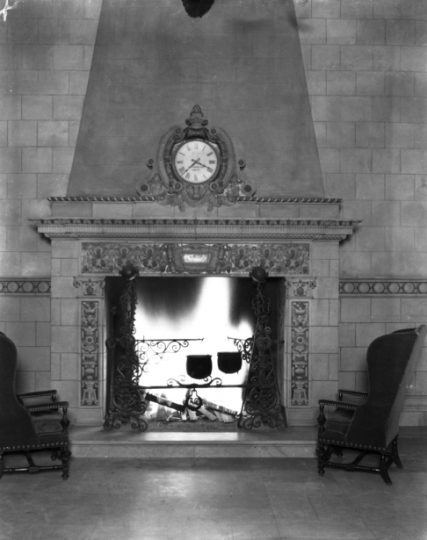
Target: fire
<point x="8" y="7"/>
<point x="210" y="321"/>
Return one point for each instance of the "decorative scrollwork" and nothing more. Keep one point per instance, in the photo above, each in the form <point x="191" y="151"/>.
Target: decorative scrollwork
<point x="183" y="383"/>
<point x="245" y="347"/>
<point x="152" y="350"/>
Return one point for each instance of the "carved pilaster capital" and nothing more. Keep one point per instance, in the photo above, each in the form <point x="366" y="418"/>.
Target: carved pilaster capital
<point x="300" y="288"/>
<point x="90" y="287"/>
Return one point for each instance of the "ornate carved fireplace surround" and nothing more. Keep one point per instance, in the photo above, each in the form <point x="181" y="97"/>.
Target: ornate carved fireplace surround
<point x="94" y="237"/>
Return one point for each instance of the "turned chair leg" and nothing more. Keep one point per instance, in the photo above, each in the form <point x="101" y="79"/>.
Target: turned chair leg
<point x="383" y="470"/>
<point x="65" y="456"/>
<point x="320" y="451"/>
<point x="323" y="456"/>
<point x="395" y="454"/>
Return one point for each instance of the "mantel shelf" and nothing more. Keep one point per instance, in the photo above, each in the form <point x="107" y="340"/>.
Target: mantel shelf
<point x="197" y="229"/>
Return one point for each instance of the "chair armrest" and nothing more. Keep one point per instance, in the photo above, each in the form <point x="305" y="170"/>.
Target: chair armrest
<point x="321" y="419"/>
<point x="54" y="406"/>
<point x="39" y="394"/>
<point x="353" y="393"/>
<point x="339" y="404"/>
<point x="41" y="407"/>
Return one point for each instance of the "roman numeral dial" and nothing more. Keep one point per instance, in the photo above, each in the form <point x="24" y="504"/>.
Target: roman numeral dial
<point x="196" y="161"/>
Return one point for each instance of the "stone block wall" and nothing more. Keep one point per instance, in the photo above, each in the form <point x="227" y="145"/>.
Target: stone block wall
<point x="25" y="315"/>
<point x="366" y="68"/>
<point x="46" y="48"/>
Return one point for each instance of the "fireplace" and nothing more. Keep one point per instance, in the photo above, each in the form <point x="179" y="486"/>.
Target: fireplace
<point x="91" y="244"/>
<point x="204" y="349"/>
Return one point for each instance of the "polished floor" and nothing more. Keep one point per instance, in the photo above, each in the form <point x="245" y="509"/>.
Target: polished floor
<point x="217" y="499"/>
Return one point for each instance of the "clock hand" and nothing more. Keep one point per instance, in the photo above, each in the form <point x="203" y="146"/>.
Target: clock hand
<point x="187" y="169"/>
<point x="199" y="163"/>
<point x="195" y="161"/>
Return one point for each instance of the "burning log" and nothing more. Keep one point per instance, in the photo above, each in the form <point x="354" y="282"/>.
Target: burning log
<point x="208" y="414"/>
<point x="174" y="417"/>
<point x="192" y="415"/>
<point x="219" y="408"/>
<point x="219" y="412"/>
<point x="222" y="417"/>
<point x="165" y="402"/>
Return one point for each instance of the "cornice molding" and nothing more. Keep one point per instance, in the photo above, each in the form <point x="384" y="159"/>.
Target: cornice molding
<point x="196" y="229"/>
<point x="243" y="200"/>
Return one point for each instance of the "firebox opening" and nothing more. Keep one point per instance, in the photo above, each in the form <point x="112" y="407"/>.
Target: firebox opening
<point x="190" y="319"/>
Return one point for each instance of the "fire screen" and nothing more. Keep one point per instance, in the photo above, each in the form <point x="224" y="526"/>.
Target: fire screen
<point x="214" y="359"/>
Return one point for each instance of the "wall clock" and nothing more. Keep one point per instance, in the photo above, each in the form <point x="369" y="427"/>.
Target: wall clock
<point x="196" y="161"/>
<point x="195" y="166"/>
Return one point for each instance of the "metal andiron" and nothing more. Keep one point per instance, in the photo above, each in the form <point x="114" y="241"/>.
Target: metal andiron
<point x="129" y="358"/>
<point x="125" y="401"/>
<point x="261" y="398"/>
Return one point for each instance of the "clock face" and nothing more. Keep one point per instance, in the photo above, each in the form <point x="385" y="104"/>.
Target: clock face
<point x="196" y="161"/>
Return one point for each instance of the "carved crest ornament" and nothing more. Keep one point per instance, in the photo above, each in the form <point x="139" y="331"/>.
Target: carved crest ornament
<point x="195" y="166"/>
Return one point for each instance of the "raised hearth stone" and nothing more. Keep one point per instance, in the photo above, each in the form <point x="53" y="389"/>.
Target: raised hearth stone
<point x="93" y="442"/>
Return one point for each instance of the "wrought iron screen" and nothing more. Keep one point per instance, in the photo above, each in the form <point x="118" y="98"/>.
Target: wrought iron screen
<point x="130" y="358"/>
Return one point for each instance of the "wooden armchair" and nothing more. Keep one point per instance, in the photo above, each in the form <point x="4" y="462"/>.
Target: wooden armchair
<point x="372" y="425"/>
<point x="29" y="429"/>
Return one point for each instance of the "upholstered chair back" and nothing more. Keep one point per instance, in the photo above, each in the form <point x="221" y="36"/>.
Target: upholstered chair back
<point x="16" y="425"/>
<point x="391" y="362"/>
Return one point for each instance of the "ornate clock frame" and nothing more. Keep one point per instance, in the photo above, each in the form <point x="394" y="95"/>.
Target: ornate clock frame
<point x="166" y="187"/>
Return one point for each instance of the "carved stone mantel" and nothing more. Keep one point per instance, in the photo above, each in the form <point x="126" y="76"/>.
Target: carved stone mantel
<point x="197" y="229"/>
<point x="97" y="241"/>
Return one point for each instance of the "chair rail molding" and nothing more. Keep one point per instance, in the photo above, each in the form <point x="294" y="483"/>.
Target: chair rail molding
<point x="382" y="287"/>
<point x="39" y="286"/>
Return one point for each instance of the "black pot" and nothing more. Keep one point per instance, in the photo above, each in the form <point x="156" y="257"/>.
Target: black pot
<point x="229" y="362"/>
<point x="199" y="366"/>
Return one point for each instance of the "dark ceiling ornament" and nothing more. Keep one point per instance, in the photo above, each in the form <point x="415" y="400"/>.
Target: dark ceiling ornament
<point x="258" y="274"/>
<point x="197" y="8"/>
<point x="129" y="272"/>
